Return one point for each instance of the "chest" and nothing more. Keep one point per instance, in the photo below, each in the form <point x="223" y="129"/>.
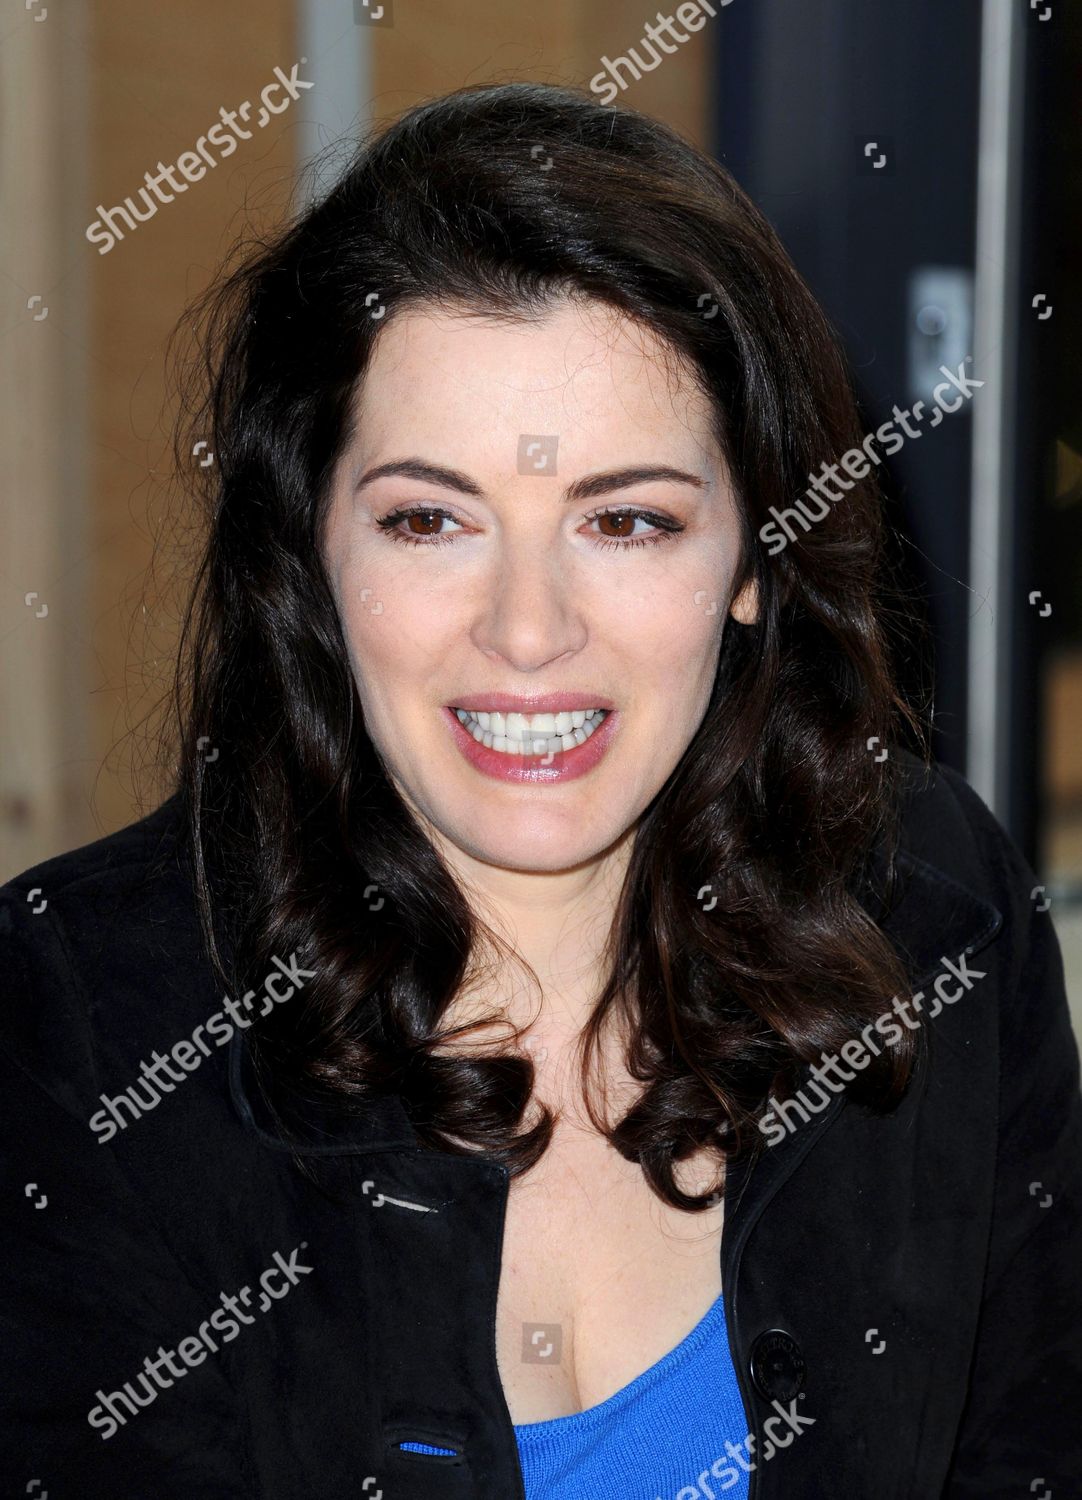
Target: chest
<point x="599" y="1278"/>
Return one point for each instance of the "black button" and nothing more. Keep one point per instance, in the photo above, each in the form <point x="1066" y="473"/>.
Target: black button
<point x="777" y="1365"/>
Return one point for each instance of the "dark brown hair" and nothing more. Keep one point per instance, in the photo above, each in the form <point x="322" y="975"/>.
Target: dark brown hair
<point x="497" y="199"/>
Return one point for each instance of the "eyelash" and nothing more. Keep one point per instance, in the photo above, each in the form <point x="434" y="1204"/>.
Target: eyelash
<point x="668" y="528"/>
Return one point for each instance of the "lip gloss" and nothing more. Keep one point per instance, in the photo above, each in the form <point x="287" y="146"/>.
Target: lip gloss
<point x="564" y="765"/>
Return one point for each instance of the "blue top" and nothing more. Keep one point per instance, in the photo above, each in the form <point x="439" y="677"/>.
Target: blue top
<point x="677" y="1430"/>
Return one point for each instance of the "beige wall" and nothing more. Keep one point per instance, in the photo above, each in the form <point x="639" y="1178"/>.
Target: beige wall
<point x="45" y="680"/>
<point x="159" y="75"/>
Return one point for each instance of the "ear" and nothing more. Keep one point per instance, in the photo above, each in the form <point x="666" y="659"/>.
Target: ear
<point x="744" y="607"/>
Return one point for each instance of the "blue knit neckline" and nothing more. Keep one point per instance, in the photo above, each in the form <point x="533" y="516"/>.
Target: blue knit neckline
<point x="590" y="1415"/>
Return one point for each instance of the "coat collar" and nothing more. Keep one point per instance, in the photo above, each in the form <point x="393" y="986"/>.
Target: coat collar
<point x="931" y="916"/>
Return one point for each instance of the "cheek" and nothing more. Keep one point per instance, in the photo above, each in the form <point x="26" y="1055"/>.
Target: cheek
<point x="359" y="628"/>
<point x="395" y="638"/>
<point x="677" y="665"/>
<point x="684" y="637"/>
<point x="691" y="586"/>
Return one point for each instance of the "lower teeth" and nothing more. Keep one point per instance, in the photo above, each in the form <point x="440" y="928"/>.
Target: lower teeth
<point x="551" y="744"/>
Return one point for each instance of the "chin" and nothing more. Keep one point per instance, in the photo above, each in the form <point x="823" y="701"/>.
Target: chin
<point x="530" y="848"/>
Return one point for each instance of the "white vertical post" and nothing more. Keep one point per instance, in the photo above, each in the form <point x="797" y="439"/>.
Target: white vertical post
<point x="338" y="53"/>
<point x="996" y="313"/>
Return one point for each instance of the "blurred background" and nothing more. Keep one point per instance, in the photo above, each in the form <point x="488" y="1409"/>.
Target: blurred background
<point x="919" y="160"/>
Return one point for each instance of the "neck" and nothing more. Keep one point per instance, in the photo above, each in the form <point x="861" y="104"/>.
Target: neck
<point x="558" y="922"/>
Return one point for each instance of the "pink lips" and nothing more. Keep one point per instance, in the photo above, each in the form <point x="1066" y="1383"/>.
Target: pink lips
<point x="564" y="765"/>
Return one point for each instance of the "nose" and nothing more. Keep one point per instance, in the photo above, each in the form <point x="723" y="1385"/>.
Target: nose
<point x="534" y="606"/>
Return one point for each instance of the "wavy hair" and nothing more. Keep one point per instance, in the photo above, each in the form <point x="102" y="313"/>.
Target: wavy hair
<point x="497" y="199"/>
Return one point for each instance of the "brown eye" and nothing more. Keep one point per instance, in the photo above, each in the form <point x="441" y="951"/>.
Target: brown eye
<point x="426" y="533"/>
<point x="432" y="516"/>
<point x="621" y="528"/>
<point x="623" y="522"/>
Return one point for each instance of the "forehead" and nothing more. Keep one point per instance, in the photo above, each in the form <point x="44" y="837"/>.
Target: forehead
<point x="582" y="369"/>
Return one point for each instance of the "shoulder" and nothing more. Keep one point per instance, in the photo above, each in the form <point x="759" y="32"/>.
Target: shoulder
<point x="135" y="876"/>
<point x="962" y="874"/>
<point x="946" y="824"/>
<point x="94" y="940"/>
<point x="947" y="837"/>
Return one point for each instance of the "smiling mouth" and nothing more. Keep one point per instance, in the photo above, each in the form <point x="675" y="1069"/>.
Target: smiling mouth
<point x="531" y="734"/>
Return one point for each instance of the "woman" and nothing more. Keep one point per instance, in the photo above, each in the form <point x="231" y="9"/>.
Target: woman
<point x="551" y="980"/>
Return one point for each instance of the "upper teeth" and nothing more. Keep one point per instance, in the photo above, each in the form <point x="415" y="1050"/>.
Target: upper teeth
<point x="502" y="731"/>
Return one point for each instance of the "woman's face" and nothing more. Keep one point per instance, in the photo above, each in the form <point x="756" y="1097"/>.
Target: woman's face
<point x="541" y="564"/>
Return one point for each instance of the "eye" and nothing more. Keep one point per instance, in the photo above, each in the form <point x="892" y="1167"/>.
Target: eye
<point x="667" y="527"/>
<point x="427" y="515"/>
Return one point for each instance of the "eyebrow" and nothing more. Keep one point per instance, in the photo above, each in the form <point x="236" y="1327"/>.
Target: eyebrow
<point x="587" y="488"/>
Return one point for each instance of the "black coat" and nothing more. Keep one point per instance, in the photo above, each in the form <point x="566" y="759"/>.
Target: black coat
<point x="909" y="1285"/>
